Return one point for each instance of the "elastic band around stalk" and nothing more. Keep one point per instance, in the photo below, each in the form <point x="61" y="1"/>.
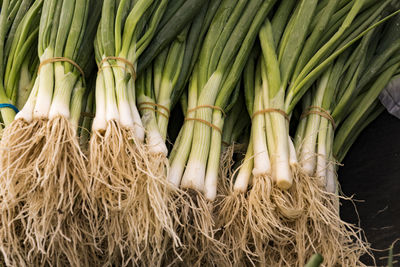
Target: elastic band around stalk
<point x="206" y="123"/>
<point x="155" y="110"/>
<point x="11" y="106"/>
<point x="267" y="110"/>
<point x="319" y="111"/>
<point x="225" y="143"/>
<point x="207" y="106"/>
<point x="209" y="124"/>
<point x="124" y="60"/>
<point x="87" y="114"/>
<point x="63" y="59"/>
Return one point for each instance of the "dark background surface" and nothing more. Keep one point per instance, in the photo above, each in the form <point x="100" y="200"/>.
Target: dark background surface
<point x="371" y="174"/>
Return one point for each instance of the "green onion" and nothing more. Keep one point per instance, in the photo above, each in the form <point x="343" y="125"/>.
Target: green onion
<point x="342" y="92"/>
<point x="128" y="154"/>
<point x="50" y="164"/>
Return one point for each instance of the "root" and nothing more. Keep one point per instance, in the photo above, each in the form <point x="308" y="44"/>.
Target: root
<point x="264" y="219"/>
<point x="162" y="209"/>
<point x="233" y="229"/>
<point x="47" y="190"/>
<point x="321" y="229"/>
<point x="114" y="183"/>
<point x="61" y="177"/>
<point x="195" y="227"/>
<point x="291" y="203"/>
<point x="226" y="170"/>
<point x="131" y="214"/>
<point x="317" y="229"/>
<point x="21" y="144"/>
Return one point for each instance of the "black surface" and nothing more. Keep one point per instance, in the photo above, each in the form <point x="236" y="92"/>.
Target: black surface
<point x="371" y="173"/>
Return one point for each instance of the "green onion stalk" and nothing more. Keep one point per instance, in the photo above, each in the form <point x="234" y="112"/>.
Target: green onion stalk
<point x="234" y="131"/>
<point x="345" y="97"/>
<point x="51" y="179"/>
<point x="195" y="164"/>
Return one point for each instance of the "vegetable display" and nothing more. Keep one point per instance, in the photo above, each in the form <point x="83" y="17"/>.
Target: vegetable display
<point x="209" y="133"/>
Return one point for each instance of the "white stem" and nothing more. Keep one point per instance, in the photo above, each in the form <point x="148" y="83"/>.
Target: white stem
<point x="292" y="153"/>
<point x="154" y="140"/>
<point x="138" y="125"/>
<point x="162" y="120"/>
<point x="331" y="185"/>
<point x="262" y="164"/>
<point x="308" y="149"/>
<point x="124" y="109"/>
<point x="211" y="180"/>
<point x="281" y="169"/>
<point x="182" y="152"/>
<point x="99" y="122"/>
<point x="26" y="113"/>
<point x="76" y="104"/>
<point x="112" y="112"/>
<point x="156" y="143"/>
<point x="322" y="158"/>
<point x="243" y="177"/>
<point x="46" y="86"/>
<point x="62" y="96"/>
<point x="194" y="175"/>
<point x="125" y="115"/>
<point x="175" y="173"/>
<point x="281" y="156"/>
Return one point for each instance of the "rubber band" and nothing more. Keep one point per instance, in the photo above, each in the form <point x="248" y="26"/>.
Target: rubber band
<point x="319" y="111"/>
<point x="112" y="66"/>
<point x="124" y="60"/>
<point x="207" y="106"/>
<point x="156" y="110"/>
<point x="225" y="143"/>
<point x="206" y="123"/>
<point x="267" y="110"/>
<point x="87" y="114"/>
<point x="63" y="59"/>
<point x="11" y="106"/>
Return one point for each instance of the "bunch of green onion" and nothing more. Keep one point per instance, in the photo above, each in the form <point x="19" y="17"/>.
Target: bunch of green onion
<point x="283" y="196"/>
<point x="127" y="162"/>
<point x="347" y="94"/>
<point x="196" y="154"/>
<point x="43" y="167"/>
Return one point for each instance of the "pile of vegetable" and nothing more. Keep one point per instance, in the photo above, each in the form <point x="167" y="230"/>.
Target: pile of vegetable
<point x="210" y="132"/>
